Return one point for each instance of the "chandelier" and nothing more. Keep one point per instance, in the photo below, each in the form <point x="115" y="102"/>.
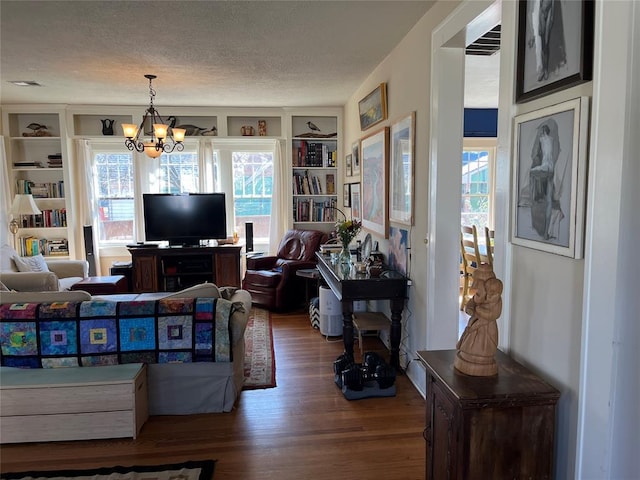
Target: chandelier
<point x="163" y="139"/>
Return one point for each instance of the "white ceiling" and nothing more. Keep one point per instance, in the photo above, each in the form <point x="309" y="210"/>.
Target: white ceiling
<point x="205" y="53"/>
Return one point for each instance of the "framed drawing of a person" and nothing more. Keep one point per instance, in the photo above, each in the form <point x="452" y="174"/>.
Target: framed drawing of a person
<point x="549" y="178"/>
<point x="374" y="184"/>
<point x="555" y="46"/>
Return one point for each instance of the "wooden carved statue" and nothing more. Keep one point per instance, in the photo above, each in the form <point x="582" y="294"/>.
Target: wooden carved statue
<point x="479" y="341"/>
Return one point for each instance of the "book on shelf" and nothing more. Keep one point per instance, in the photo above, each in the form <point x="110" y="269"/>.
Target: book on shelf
<point x="55" y="160"/>
<point x="28" y="164"/>
<point x="48" y="218"/>
<point x="41" y="190"/>
<point x="308" y="210"/>
<point x="30" y="246"/>
<point x="331" y="183"/>
<point x="312" y="154"/>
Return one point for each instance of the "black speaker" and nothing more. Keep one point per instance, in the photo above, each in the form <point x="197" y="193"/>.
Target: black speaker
<point x="248" y="232"/>
<point x="88" y="249"/>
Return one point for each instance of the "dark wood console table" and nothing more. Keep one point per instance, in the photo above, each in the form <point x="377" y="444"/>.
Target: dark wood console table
<point x="481" y="428"/>
<point x="174" y="268"/>
<point x="349" y="286"/>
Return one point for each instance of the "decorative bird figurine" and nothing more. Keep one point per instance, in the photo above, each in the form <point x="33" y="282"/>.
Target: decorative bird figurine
<point x="36" y="126"/>
<point x="312" y="126"/>
<point x="191" y="130"/>
<point x="37" y="130"/>
<point x="172" y="121"/>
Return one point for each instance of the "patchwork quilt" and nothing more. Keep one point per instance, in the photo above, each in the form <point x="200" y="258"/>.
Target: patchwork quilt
<point x="101" y="332"/>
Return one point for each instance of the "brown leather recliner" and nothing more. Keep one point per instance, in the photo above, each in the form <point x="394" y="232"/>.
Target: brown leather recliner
<point x="272" y="281"/>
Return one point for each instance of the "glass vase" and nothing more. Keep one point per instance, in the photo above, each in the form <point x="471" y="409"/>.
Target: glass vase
<point x="345" y="255"/>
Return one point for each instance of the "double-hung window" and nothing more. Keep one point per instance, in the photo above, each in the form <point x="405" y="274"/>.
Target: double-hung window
<point x="478" y="172"/>
<point x="116" y="188"/>
<point x="242" y="170"/>
<point x="114" y="196"/>
<point x="246" y="175"/>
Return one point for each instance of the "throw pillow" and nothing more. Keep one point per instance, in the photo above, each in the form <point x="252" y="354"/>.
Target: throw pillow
<point x="31" y="264"/>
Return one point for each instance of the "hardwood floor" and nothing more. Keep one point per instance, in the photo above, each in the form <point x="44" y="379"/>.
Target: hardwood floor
<point x="302" y="429"/>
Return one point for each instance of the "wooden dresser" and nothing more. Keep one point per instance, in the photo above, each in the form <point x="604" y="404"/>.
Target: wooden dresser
<point x="481" y="428"/>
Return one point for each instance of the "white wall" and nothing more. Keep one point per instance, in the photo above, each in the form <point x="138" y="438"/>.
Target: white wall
<point x="571" y="321"/>
<point x="408" y="78"/>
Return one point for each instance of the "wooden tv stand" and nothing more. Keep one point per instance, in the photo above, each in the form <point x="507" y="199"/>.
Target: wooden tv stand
<point x="169" y="269"/>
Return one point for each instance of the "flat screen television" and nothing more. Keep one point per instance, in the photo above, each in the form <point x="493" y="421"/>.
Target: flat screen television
<point x="184" y="219"/>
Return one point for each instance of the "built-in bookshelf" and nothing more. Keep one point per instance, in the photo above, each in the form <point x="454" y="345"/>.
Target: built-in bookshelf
<point x="314" y="173"/>
<point x="36" y="157"/>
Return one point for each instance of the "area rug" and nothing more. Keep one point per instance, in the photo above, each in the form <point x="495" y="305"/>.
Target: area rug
<point x="196" y="470"/>
<point x="259" y="357"/>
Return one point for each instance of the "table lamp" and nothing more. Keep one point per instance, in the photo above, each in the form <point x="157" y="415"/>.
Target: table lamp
<point x="23" y="204"/>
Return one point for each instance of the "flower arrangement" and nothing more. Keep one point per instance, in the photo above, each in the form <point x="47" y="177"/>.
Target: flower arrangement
<point x="347" y="231"/>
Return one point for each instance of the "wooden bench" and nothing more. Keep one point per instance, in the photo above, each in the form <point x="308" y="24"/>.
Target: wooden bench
<point x="75" y="403"/>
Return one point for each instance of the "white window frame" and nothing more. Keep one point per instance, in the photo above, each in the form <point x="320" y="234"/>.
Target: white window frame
<point x="224" y="153"/>
<point x="489" y="144"/>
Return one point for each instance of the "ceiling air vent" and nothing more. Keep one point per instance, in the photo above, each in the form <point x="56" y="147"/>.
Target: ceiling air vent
<point x="487" y="44"/>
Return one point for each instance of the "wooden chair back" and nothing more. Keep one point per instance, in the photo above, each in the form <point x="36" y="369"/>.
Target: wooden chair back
<point x="469" y="260"/>
<point x="490" y="241"/>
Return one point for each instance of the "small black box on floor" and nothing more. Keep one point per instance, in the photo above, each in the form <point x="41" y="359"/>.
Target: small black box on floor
<point x="125" y="269"/>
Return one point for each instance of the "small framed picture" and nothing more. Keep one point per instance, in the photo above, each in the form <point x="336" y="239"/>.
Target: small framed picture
<point x="346" y="194"/>
<point x="373" y="107"/>
<point x="355" y="153"/>
<point x="356" y="211"/>
<point x="348" y="165"/>
<point x="549" y="181"/>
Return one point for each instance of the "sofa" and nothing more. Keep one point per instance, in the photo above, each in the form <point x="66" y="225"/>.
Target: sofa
<point x="39" y="274"/>
<point x="272" y="279"/>
<point x="174" y="388"/>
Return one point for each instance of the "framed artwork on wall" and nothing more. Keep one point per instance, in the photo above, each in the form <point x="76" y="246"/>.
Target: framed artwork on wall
<point x="356" y="211"/>
<point x="373" y="107"/>
<point x="348" y="162"/>
<point x="346" y="195"/>
<point x="555" y="46"/>
<point x="375" y="178"/>
<point x="401" y="153"/>
<point x="398" y="249"/>
<point x="355" y="153"/>
<point x="549" y="179"/>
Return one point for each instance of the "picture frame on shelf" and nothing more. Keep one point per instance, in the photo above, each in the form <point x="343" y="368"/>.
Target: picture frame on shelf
<point x="348" y="165"/>
<point x="402" y="154"/>
<point x="549" y="180"/>
<point x="555" y="46"/>
<point x="355" y="153"/>
<point x="356" y="211"/>
<point x="375" y="180"/>
<point x="373" y="107"/>
<point x="346" y="195"/>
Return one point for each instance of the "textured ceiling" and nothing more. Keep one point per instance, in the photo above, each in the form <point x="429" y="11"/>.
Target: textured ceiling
<point x="205" y="53"/>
